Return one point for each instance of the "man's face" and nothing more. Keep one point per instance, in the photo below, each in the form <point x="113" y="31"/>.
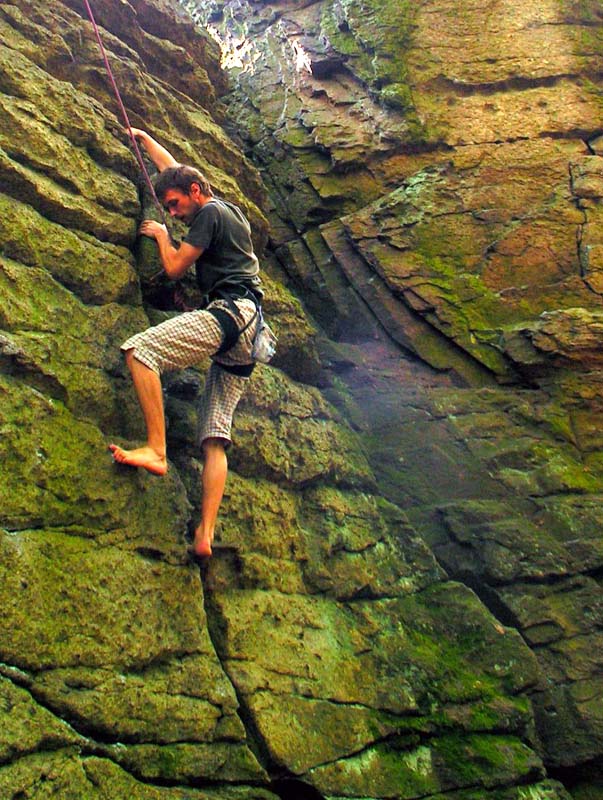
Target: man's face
<point x="181" y="205"/>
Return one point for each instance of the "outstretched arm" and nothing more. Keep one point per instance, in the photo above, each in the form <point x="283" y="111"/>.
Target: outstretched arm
<point x="161" y="157"/>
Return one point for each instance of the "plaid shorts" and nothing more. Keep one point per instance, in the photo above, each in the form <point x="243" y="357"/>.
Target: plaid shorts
<point x="185" y="340"/>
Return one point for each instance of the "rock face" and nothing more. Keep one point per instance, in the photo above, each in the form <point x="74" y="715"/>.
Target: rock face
<point x="435" y="175"/>
<point x="368" y="627"/>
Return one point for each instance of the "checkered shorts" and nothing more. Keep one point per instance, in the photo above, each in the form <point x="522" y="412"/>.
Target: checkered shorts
<point x="185" y="340"/>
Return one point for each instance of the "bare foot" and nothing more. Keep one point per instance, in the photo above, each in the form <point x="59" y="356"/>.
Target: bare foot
<point x="144" y="457"/>
<point x="201" y="547"/>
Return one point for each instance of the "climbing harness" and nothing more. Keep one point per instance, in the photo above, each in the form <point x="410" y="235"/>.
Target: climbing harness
<point x="264" y="340"/>
<point x="124" y="113"/>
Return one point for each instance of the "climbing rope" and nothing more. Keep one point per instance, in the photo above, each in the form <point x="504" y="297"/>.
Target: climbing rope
<point x="125" y="113"/>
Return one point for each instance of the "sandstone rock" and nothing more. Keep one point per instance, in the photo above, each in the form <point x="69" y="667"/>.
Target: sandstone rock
<point x="447" y="202"/>
<point x="573" y="334"/>
<point x="471" y="231"/>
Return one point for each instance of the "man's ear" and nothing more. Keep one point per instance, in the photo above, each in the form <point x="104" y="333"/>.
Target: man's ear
<point x="195" y="190"/>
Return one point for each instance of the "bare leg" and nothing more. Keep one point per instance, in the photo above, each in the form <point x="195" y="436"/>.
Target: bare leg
<point x="213" y="481"/>
<point x="152" y="456"/>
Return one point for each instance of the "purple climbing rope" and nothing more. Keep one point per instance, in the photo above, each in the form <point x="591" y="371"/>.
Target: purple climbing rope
<point x="125" y="113"/>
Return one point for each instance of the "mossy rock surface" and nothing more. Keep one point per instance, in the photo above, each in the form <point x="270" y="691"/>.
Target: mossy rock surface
<point x="325" y="639"/>
<point x="470" y="230"/>
<point x="67" y="774"/>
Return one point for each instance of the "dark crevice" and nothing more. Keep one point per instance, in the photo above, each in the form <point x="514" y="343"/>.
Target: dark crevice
<point x="216" y="626"/>
<point x="294" y="789"/>
<point x="490" y="598"/>
<point x="589" y="773"/>
<point x="549" y="579"/>
<point x="516" y="83"/>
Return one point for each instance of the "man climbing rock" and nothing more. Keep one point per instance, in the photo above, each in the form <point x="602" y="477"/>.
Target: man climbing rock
<point x="219" y="243"/>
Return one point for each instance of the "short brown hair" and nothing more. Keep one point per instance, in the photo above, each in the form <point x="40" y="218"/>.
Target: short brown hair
<point x="181" y="177"/>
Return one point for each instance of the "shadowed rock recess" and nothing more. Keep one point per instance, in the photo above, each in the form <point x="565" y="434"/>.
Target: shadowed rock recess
<point x="405" y="599"/>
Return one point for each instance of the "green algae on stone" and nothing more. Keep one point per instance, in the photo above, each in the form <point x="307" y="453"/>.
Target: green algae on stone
<point x="486" y="760"/>
<point x="71" y="776"/>
<point x="319" y="644"/>
<point x="30" y="140"/>
<point x="547" y="790"/>
<point x="324" y="451"/>
<point x="543" y="790"/>
<point x="27" y="726"/>
<point x="375" y="36"/>
<point x="456" y="684"/>
<point x="500" y="543"/>
<point x="574" y="708"/>
<point x="226" y="762"/>
<point x="296" y="350"/>
<point x="62" y="345"/>
<point x="375" y="39"/>
<point x="329" y="730"/>
<point x="546" y="617"/>
<point x="413" y="254"/>
<point x="478" y="660"/>
<point x="326" y="650"/>
<point x="70" y="113"/>
<point x="443" y="764"/>
<point x="362" y="547"/>
<point x="326" y="540"/>
<point x="96" y="271"/>
<point x="576" y="519"/>
<point x="62" y="205"/>
<point x="46" y="454"/>
<point x="178" y="697"/>
<point x="75" y="603"/>
<point x="47" y="451"/>
<point x="287" y="431"/>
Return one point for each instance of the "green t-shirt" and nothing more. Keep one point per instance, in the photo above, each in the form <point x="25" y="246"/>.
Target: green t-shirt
<point x="224" y="234"/>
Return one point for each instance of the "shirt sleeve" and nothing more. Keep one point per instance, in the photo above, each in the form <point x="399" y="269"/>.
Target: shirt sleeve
<point x="204" y="227"/>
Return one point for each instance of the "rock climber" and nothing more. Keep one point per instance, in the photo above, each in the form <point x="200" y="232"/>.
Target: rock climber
<point x="218" y="242"/>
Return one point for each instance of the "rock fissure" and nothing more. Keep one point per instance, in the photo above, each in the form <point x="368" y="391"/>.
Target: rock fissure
<point x="253" y="735"/>
<point x="516" y="83"/>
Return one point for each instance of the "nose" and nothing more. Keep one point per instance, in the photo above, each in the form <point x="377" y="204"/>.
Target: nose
<point x="172" y="212"/>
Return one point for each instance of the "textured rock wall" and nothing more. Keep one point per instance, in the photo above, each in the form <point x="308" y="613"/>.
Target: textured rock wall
<point x="435" y="176"/>
<point x="324" y="648"/>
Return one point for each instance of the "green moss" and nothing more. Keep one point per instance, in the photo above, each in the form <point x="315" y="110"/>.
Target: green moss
<point x="375" y="36"/>
<point x="378" y="34"/>
<point x="491" y="717"/>
<point x="345" y="187"/>
<point x="423" y="219"/>
<point x="557" y="471"/>
<point x="178" y="762"/>
<point x="398" y="96"/>
<point x="443" y="764"/>
<point x="297" y="136"/>
<point x="97" y="271"/>
<point x="382" y="771"/>
<point x="483" y="760"/>
<point x="586" y="11"/>
<point x="454" y="678"/>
